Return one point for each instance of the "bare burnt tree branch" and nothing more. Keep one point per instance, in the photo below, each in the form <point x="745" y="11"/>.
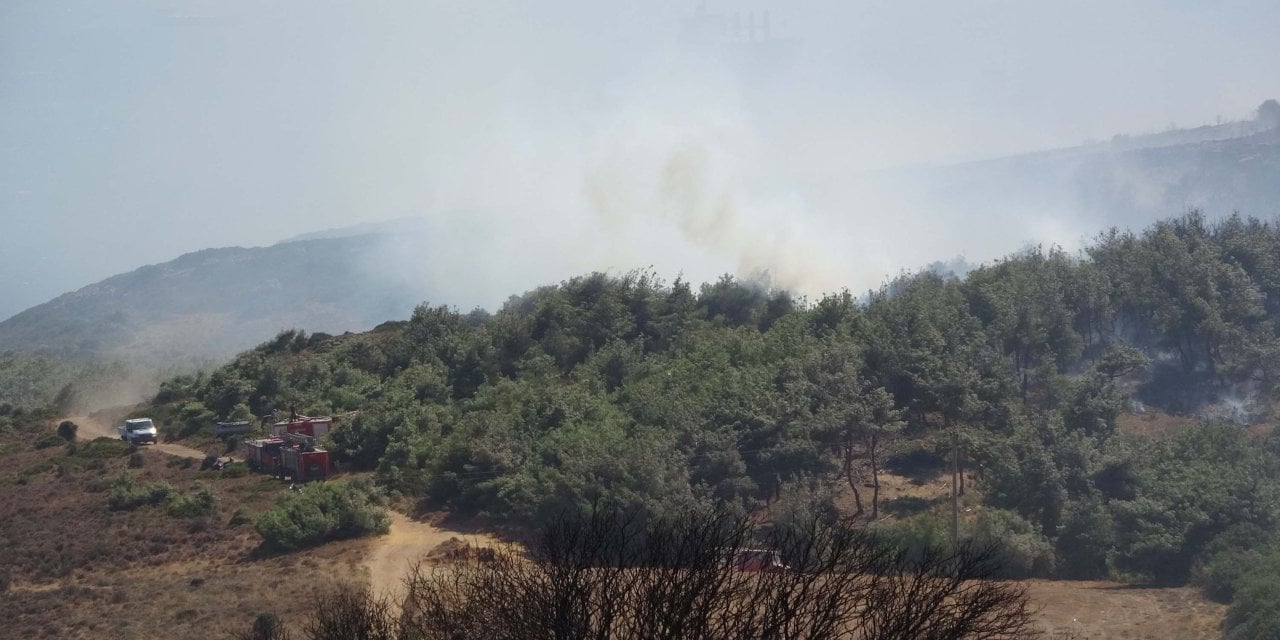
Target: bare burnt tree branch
<point x="943" y="596"/>
<point x="608" y="574"/>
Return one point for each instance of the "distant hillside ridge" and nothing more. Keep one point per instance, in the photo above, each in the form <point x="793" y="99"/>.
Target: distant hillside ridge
<point x="411" y="225"/>
<point x="1128" y="182"/>
<point x="213" y="303"/>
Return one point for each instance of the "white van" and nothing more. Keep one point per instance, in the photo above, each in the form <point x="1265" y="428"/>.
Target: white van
<point x="138" y="430"/>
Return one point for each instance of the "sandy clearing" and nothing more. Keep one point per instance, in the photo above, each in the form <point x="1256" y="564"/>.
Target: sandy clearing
<point x="408" y="542"/>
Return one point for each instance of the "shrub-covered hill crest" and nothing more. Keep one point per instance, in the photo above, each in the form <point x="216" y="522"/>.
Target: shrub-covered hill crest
<point x="214" y="303"/>
<point x="657" y="395"/>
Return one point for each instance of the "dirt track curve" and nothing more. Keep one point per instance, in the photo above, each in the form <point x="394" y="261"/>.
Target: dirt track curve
<point x="91" y="428"/>
<point x="408" y="542"/>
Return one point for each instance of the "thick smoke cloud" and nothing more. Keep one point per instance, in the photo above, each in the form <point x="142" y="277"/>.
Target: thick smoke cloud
<point x="543" y="140"/>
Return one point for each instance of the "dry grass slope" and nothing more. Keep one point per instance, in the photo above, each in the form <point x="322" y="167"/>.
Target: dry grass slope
<point x="1097" y="610"/>
<point x="80" y="570"/>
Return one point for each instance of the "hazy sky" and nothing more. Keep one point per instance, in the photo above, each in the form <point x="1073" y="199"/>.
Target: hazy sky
<point x="546" y="139"/>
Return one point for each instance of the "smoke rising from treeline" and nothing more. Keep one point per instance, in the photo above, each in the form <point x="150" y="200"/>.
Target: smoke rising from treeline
<point x="542" y="140"/>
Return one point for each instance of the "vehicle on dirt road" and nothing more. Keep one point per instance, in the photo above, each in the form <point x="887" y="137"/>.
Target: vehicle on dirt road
<point x="138" y="430"/>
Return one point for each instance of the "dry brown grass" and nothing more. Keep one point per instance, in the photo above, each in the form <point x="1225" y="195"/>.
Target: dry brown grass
<point x="1094" y="610"/>
<point x="80" y="570"/>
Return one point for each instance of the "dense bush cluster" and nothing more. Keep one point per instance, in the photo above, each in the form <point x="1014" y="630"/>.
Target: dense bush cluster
<point x="324" y="512"/>
<point x="128" y="493"/>
<point x="660" y="396"/>
<point x="200" y="502"/>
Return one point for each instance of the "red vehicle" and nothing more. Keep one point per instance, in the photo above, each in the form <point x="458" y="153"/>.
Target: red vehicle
<point x="303" y="460"/>
<point x="314" y="427"/>
<point x="757" y="561"/>
<point x="292" y="452"/>
<point x="263" y="454"/>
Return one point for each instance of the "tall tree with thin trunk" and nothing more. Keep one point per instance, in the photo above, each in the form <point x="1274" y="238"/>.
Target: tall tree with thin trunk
<point x="883" y="421"/>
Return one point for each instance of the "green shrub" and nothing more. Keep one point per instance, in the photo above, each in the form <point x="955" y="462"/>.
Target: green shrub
<point x="194" y="418"/>
<point x="127" y="493"/>
<point x="238" y="517"/>
<point x="1085" y="540"/>
<point x="98" y="484"/>
<point x="237" y="470"/>
<point x="200" y="502"/>
<point x="267" y="627"/>
<point x="136" y="461"/>
<point x="323" y="512"/>
<point x="103" y="449"/>
<point x="240" y="413"/>
<point x="49" y="440"/>
<point x="1255" y="610"/>
<point x="1223" y="572"/>
<point x="1225" y="561"/>
<point x="915" y="535"/>
<point x="1021" y="551"/>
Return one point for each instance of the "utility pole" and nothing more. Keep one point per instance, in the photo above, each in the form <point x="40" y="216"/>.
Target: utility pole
<point x="955" y="489"/>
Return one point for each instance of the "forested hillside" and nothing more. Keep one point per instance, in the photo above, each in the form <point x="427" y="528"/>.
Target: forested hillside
<point x="661" y="395"/>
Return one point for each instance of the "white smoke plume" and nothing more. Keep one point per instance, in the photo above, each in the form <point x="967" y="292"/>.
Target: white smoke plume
<point x="542" y="140"/>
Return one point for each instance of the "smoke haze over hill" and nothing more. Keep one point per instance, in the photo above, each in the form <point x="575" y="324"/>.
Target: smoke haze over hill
<point x="544" y="140"/>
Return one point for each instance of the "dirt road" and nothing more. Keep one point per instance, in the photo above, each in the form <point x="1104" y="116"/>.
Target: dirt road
<point x="407" y="542"/>
<point x="91" y="427"/>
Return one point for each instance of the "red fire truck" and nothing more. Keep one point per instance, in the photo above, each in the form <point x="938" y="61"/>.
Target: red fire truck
<point x="292" y="452"/>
